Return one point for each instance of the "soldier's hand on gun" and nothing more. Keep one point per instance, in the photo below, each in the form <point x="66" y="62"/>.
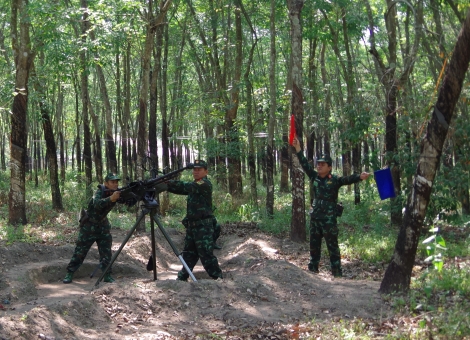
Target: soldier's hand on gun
<point x="115" y="196"/>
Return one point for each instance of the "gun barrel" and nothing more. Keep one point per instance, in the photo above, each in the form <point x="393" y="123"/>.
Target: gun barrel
<point x="137" y="190"/>
<point x="163" y="178"/>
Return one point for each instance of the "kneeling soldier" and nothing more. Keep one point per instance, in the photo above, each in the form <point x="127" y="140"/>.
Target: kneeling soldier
<point x="95" y="227"/>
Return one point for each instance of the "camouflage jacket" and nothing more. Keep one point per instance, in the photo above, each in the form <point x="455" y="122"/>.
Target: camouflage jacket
<point x="99" y="206"/>
<point x="199" y="200"/>
<point x="325" y="189"/>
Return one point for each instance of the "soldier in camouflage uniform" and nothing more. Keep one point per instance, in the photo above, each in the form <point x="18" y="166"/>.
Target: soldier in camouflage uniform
<point x="217" y="231"/>
<point x="323" y="219"/>
<point x="199" y="222"/>
<point x="95" y="227"/>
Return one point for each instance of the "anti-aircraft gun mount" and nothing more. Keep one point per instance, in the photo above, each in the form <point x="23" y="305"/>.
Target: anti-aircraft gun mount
<point x="145" y="191"/>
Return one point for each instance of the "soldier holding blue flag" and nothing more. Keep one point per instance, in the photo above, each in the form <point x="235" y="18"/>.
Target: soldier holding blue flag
<point x="324" y="213"/>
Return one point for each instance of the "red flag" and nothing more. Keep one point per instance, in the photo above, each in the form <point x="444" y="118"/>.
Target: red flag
<point x="292" y="132"/>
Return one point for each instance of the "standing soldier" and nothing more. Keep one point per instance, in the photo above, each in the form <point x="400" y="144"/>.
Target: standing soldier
<point x="199" y="222"/>
<point x="95" y="227"/>
<point x="323" y="218"/>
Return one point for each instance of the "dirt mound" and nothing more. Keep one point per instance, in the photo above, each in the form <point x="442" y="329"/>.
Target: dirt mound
<point x="266" y="289"/>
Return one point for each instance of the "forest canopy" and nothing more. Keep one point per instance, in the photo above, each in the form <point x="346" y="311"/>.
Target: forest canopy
<point x="98" y="86"/>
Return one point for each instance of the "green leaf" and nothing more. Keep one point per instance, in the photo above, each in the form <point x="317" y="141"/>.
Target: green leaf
<point x="438" y="265"/>
<point x="438" y="246"/>
<point x="440" y="240"/>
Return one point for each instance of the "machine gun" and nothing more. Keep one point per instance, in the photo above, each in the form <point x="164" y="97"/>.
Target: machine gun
<point x="145" y="191"/>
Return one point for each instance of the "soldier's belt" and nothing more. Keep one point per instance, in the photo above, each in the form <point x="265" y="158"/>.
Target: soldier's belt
<point x="92" y="220"/>
<point x="197" y="223"/>
<point x="323" y="202"/>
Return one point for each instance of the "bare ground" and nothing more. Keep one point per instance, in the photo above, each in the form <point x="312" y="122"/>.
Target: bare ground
<point x="267" y="292"/>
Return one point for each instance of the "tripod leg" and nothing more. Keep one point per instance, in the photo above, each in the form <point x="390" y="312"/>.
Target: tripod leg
<point x="154" y="253"/>
<point x="142" y="214"/>
<point x="173" y="247"/>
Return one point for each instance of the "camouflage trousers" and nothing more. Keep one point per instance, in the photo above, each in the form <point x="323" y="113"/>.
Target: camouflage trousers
<point x="328" y="229"/>
<point x="217" y="229"/>
<point x="199" y="244"/>
<point x="88" y="235"/>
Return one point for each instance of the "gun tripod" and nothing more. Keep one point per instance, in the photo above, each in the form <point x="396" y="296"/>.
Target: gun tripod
<point x="149" y="206"/>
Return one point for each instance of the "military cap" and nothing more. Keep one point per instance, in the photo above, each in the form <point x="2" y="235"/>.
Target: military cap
<point x="199" y="163"/>
<point x="325" y="158"/>
<point x="111" y="176"/>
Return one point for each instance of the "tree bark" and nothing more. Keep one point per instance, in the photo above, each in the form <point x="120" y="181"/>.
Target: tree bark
<point x="298" y="222"/>
<point x="142" y="138"/>
<point x="125" y="117"/>
<point x="51" y="149"/>
<point x="154" y="93"/>
<point x="398" y="274"/>
<point x="97" y="154"/>
<point x="232" y="132"/>
<point x="85" y="99"/>
<point x="272" y="116"/>
<point x="18" y="136"/>
<point x="109" y="139"/>
<point x="391" y="83"/>
<point x="60" y="125"/>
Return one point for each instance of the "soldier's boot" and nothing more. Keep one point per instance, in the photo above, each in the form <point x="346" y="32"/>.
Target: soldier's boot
<point x="337" y="272"/>
<point x="108" y="278"/>
<point x="68" y="278"/>
<point x="182" y="276"/>
<point x="313" y="268"/>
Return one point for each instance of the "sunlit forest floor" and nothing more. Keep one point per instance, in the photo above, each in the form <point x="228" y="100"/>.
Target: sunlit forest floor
<point x="267" y="291"/>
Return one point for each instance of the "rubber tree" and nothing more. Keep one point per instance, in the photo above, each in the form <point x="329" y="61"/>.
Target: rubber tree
<point x="398" y="274"/>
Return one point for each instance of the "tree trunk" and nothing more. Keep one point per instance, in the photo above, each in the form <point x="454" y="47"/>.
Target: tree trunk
<point x="35" y="155"/>
<point x="386" y="75"/>
<point x="231" y="130"/>
<point x="460" y="149"/>
<point x="98" y="156"/>
<point x="154" y="82"/>
<point x="272" y="116"/>
<point x="251" y="157"/>
<point x="60" y="125"/>
<point x="51" y="149"/>
<point x="3" y="162"/>
<point x="162" y="54"/>
<point x="125" y="117"/>
<point x="51" y="154"/>
<point x="109" y="139"/>
<point x="398" y="274"/>
<point x="77" y="144"/>
<point x="286" y="159"/>
<point x="298" y="222"/>
<point x="327" y="105"/>
<point x="85" y="99"/>
<point x="142" y="141"/>
<point x="19" y="133"/>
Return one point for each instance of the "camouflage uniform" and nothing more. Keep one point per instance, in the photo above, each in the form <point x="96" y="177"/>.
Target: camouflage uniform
<point x="323" y="219"/>
<point x="217" y="230"/>
<point x="199" y="223"/>
<point x="96" y="229"/>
